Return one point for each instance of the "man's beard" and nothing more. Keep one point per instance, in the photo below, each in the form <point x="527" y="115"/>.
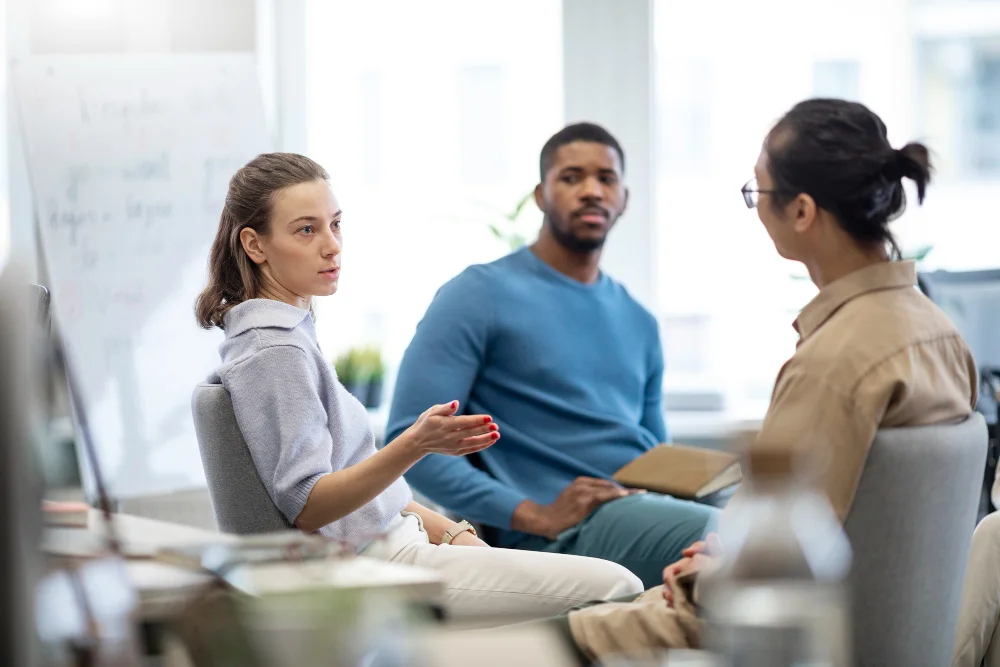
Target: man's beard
<point x="566" y="238"/>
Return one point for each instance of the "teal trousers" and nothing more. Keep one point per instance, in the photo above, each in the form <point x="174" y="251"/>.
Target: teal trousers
<point x="644" y="533"/>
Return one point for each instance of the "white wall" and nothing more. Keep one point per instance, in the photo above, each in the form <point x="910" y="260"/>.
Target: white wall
<point x="608" y="63"/>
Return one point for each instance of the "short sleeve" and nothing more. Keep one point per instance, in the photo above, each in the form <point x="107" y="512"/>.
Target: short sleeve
<point x="282" y="417"/>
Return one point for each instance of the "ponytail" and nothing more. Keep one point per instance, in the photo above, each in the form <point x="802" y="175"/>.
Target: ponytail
<point x="838" y="153"/>
<point x="232" y="276"/>
<point x="914" y="162"/>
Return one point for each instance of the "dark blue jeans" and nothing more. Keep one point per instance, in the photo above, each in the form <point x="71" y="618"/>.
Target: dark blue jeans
<point x="644" y="533"/>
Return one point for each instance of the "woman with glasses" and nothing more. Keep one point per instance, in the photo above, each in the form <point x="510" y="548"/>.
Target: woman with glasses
<point x="873" y="352"/>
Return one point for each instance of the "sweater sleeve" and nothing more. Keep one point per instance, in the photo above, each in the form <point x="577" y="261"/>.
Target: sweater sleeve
<point x="278" y="408"/>
<point x="652" y="412"/>
<point x="441" y="364"/>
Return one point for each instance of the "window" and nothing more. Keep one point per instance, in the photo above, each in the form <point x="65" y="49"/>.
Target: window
<point x="482" y="123"/>
<point x="840" y="79"/>
<point x="984" y="146"/>
<point x="371" y="98"/>
<point x="430" y="126"/>
<point x="727" y="298"/>
<point x="959" y="82"/>
<point x="685" y="97"/>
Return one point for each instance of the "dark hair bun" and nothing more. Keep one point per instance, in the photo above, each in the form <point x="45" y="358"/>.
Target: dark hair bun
<point x="839" y="154"/>
<point x="914" y="162"/>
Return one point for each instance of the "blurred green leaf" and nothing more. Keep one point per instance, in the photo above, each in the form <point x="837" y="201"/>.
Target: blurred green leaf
<point x="520" y="205"/>
<point x="360" y="364"/>
<point x="919" y="254"/>
<point x="505" y="225"/>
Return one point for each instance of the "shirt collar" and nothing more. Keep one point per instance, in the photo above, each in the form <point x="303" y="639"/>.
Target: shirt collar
<point x="261" y="313"/>
<point x="881" y="276"/>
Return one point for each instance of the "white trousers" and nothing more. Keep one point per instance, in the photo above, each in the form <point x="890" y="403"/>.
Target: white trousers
<point x="977" y="641"/>
<point x="504" y="585"/>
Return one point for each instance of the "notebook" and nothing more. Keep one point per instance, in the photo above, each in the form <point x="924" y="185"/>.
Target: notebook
<point x="692" y="473"/>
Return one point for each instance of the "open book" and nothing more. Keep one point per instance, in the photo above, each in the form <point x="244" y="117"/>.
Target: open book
<point x="691" y="473"/>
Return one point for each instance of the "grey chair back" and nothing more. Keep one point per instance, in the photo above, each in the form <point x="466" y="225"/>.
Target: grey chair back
<point x="911" y="527"/>
<point x="239" y="499"/>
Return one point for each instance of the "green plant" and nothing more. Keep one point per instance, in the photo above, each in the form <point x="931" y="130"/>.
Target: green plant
<point x="360" y="365"/>
<point x="917" y="256"/>
<point x="508" y="227"/>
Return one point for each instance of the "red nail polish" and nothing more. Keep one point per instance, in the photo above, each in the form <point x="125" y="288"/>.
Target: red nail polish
<point x="454" y="404"/>
<point x="495" y="436"/>
<point x="487" y="420"/>
<point x="493" y="427"/>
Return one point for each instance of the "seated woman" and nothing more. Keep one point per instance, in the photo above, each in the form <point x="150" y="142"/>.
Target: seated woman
<point x="873" y="352"/>
<point x="279" y="245"/>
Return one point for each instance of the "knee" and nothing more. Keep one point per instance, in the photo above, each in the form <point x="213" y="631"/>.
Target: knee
<point x="609" y="581"/>
<point x="989" y="527"/>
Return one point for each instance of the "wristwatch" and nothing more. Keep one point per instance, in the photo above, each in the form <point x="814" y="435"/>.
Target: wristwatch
<point x="457" y="529"/>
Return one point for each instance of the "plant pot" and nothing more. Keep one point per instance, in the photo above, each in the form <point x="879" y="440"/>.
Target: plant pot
<point x="358" y="390"/>
<point x="373" y="396"/>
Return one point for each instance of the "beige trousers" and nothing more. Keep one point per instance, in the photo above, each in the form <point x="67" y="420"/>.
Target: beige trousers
<point x="977" y="639"/>
<point x="637" y="630"/>
<point x="504" y="585"/>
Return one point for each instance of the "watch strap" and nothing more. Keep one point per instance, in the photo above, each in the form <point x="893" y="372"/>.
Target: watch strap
<point x="457" y="529"/>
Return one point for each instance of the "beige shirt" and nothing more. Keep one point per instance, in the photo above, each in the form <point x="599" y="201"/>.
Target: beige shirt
<point x="873" y="353"/>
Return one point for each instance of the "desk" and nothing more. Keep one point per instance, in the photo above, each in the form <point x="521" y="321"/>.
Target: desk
<point x="161" y="586"/>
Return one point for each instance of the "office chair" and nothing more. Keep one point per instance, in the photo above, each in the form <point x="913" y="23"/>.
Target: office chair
<point x="910" y="528"/>
<point x="239" y="499"/>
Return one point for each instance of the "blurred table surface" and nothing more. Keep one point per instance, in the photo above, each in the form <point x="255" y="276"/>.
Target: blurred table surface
<point x="162" y="586"/>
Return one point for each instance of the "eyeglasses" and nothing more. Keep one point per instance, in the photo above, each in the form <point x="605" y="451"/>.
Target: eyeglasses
<point x="751" y="193"/>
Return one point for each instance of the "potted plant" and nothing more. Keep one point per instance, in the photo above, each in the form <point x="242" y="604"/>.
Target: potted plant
<point x="362" y="372"/>
<point x="375" y="369"/>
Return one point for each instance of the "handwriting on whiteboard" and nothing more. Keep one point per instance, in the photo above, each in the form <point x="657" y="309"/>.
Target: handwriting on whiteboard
<point x="130" y="158"/>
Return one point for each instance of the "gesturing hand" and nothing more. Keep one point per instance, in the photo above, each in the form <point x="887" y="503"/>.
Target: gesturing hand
<point x="571" y="507"/>
<point x="439" y="431"/>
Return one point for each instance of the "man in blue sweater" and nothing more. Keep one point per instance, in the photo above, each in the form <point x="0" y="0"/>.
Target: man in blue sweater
<point x="570" y="367"/>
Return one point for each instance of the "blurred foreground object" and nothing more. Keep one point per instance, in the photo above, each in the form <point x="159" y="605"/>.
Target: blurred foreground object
<point x="778" y="596"/>
<point x="20" y="506"/>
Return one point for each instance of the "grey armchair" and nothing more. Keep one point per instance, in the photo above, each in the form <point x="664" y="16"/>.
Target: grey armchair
<point x="910" y="527"/>
<point x="239" y="499"/>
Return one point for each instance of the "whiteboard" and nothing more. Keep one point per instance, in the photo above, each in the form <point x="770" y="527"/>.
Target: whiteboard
<point x="129" y="159"/>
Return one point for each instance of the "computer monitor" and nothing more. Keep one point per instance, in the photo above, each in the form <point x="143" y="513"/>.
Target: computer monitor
<point x="972" y="301"/>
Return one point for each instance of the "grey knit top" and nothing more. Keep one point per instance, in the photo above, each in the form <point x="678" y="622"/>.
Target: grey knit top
<point x="298" y="420"/>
